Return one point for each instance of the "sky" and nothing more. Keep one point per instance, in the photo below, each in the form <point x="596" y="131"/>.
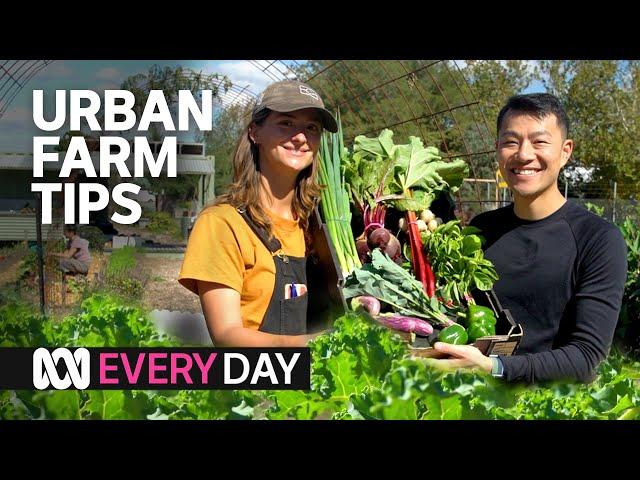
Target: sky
<point x="16" y="126"/>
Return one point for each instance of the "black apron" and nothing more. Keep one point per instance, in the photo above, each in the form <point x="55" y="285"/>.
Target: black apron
<point x="283" y="316"/>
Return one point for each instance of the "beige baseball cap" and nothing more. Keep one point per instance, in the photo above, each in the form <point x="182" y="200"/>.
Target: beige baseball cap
<point x="291" y="95"/>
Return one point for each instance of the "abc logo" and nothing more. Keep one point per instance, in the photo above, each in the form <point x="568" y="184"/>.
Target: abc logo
<point x="76" y="363"/>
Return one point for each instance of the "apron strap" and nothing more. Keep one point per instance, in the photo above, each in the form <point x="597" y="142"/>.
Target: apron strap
<point x="273" y="244"/>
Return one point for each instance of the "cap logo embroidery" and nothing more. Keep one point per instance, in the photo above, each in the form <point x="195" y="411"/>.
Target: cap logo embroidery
<point x="308" y="91"/>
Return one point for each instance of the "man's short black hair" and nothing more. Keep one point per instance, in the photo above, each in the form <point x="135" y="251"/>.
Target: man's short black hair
<point x="71" y="228"/>
<point x="538" y="105"/>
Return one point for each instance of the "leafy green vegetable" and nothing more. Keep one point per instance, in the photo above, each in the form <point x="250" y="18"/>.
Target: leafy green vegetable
<point x="458" y="261"/>
<point x="392" y="284"/>
<point x="359" y="371"/>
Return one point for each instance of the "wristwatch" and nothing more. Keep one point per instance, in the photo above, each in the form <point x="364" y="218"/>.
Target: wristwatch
<point x="498" y="368"/>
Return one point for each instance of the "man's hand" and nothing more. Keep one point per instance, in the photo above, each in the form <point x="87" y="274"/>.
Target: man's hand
<point x="464" y="356"/>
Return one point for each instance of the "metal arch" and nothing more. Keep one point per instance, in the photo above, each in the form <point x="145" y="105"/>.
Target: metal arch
<point x="488" y="145"/>
<point x="386" y="94"/>
<point x="407" y="103"/>
<point x="473" y="169"/>
<point x="332" y="98"/>
<point x="426" y="102"/>
<point x="16" y="75"/>
<point x="270" y="68"/>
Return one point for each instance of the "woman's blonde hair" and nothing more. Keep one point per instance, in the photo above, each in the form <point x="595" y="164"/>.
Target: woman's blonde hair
<point x="244" y="192"/>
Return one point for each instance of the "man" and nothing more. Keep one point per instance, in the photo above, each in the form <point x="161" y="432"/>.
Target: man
<point x="562" y="269"/>
<point x="76" y="258"/>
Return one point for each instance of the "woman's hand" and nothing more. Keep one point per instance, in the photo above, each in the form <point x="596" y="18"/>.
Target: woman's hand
<point x="464" y="356"/>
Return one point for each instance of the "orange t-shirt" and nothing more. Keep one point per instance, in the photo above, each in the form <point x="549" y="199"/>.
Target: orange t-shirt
<point x="223" y="249"/>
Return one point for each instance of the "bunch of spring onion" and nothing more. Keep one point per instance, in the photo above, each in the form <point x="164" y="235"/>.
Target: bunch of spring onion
<point x="334" y="204"/>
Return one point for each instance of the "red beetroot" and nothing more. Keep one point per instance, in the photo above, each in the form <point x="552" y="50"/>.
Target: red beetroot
<point x="363" y="249"/>
<point x="387" y="242"/>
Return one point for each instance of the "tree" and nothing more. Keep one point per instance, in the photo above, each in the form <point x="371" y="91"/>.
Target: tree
<point x="171" y="80"/>
<point x="602" y="99"/>
<point x="446" y="106"/>
<point x="495" y="81"/>
<point x="221" y="141"/>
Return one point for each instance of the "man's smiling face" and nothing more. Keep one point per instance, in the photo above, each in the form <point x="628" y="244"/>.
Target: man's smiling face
<point x="531" y="152"/>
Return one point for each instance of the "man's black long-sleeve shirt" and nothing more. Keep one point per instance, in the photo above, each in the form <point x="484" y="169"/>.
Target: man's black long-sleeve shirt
<point x="563" y="278"/>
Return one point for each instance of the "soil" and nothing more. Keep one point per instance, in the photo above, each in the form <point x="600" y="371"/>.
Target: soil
<point x="9" y="266"/>
<point x="163" y="292"/>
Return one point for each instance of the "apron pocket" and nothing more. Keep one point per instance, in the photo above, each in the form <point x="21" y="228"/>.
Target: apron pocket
<point x="293" y="315"/>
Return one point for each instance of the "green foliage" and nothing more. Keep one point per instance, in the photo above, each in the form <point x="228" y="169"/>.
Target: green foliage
<point x="354" y="357"/>
<point x="28" y="265"/>
<point x="122" y="276"/>
<point x="411" y="175"/>
<point x="94" y="235"/>
<point x="458" y="261"/>
<point x="122" y="261"/>
<point x="221" y="141"/>
<point x="162" y="222"/>
<point x="628" y="328"/>
<point x="450" y="106"/>
<point x="171" y="80"/>
<point x="383" y="279"/>
<point x="598" y="210"/>
<point x="20" y="325"/>
<point x="602" y="98"/>
<point x="359" y="371"/>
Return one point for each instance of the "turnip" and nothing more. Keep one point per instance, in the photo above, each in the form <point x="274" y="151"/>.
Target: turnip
<point x="406" y="324"/>
<point x="433" y="224"/>
<point x="427" y="215"/>
<point x="439" y="221"/>
<point x="422" y="225"/>
<point x="369" y="304"/>
<point x="402" y="224"/>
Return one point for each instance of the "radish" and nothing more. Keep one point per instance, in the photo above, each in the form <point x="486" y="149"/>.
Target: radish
<point x="406" y="324"/>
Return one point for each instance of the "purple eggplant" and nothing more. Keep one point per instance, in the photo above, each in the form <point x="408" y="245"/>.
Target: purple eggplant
<point x="406" y="324"/>
<point x="370" y="304"/>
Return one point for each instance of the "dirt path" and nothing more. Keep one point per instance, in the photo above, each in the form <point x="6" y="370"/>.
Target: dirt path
<point x="163" y="292"/>
<point x="9" y="266"/>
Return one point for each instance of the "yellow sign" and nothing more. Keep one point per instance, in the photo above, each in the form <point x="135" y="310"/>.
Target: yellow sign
<point x="500" y="180"/>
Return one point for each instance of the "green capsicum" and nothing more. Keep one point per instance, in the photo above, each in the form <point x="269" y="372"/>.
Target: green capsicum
<point x="480" y="314"/>
<point x="478" y="329"/>
<point x="454" y="334"/>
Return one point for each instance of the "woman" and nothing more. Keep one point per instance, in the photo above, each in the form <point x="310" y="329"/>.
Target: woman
<point x="246" y="255"/>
